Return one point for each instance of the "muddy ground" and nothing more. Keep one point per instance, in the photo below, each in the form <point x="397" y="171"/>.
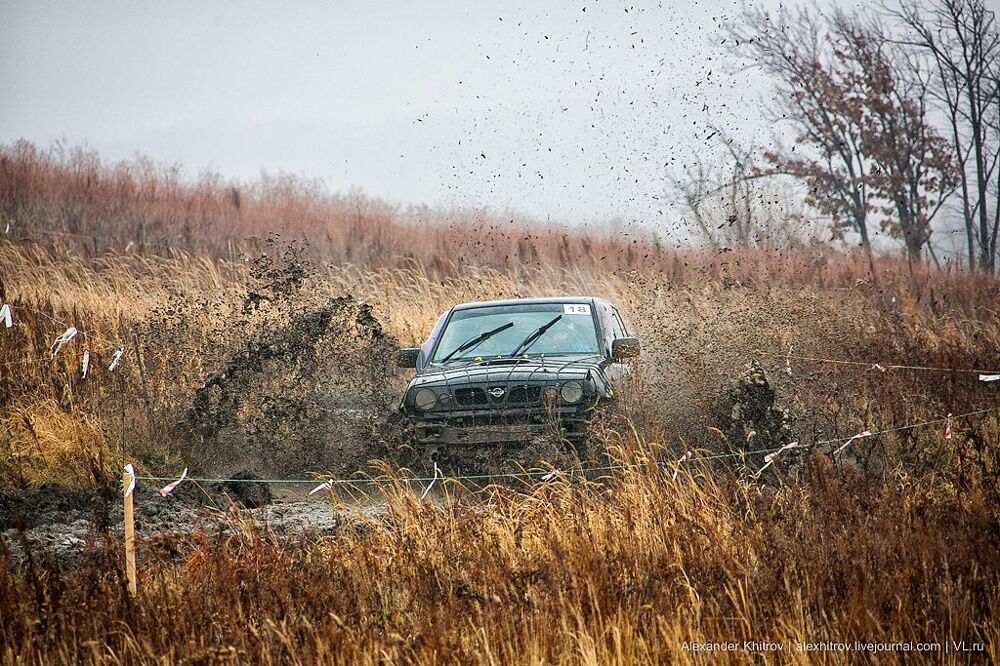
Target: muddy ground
<point x="69" y="524"/>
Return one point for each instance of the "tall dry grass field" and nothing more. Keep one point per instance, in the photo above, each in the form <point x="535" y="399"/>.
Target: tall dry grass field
<point x="894" y="540"/>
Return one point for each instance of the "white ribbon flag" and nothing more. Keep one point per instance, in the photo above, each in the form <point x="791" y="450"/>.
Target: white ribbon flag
<point x="989" y="378"/>
<point x="326" y="485"/>
<point x="115" y="359"/>
<point x="770" y="457"/>
<point x="86" y="363"/>
<point x="169" y="488"/>
<point x="866" y="433"/>
<point x="5" y="315"/>
<point x="433" y="481"/>
<point x="63" y="339"/>
<point x="131" y="485"/>
<point x="687" y="456"/>
<point x="947" y="427"/>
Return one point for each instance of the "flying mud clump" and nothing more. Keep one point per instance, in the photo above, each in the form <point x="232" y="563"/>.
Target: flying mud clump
<point x="748" y="419"/>
<point x="301" y="388"/>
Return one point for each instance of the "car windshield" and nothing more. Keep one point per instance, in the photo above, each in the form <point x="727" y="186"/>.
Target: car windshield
<point x="573" y="333"/>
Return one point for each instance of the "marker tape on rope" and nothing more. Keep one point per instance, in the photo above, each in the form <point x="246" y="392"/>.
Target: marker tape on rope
<point x="169" y="488"/>
<point x="433" y="481"/>
<point x="5" y="315"/>
<point x="326" y="485"/>
<point x="86" y="363"/>
<point x="866" y="433"/>
<point x="687" y="456"/>
<point x="115" y="359"/>
<point x="989" y="378"/>
<point x="771" y="457"/>
<point x="63" y="339"/>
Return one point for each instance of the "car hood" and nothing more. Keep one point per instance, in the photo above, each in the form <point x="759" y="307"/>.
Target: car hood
<point x="551" y="370"/>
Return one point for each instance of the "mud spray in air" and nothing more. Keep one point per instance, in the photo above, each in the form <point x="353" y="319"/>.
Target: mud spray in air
<point x="292" y="377"/>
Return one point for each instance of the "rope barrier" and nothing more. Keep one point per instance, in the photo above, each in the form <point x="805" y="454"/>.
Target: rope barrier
<point x="885" y="366"/>
<point x="84" y="333"/>
<point x="64" y="358"/>
<point x="416" y="479"/>
<point x="585" y="470"/>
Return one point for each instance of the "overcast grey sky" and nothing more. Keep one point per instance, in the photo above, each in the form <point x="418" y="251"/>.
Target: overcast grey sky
<point x="561" y="110"/>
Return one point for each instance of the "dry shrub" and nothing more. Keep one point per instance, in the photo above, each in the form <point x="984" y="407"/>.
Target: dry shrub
<point x="44" y="444"/>
<point x="624" y="570"/>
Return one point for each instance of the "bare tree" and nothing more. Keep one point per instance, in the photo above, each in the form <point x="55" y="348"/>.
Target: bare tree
<point x="861" y="144"/>
<point x="790" y="48"/>
<point x="912" y="171"/>
<point x="962" y="40"/>
<point x="728" y="206"/>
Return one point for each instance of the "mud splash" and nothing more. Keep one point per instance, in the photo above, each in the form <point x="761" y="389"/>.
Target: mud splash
<point x="299" y="397"/>
<point x="748" y="418"/>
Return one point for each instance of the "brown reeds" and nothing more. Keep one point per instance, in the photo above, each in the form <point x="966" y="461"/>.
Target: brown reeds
<point x="894" y="542"/>
<point x="631" y="569"/>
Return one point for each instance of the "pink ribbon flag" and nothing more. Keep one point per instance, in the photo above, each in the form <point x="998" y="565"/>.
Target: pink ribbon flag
<point x="169" y="488"/>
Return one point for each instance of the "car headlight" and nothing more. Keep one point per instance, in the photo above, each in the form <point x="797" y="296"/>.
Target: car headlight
<point x="571" y="391"/>
<point x="425" y="399"/>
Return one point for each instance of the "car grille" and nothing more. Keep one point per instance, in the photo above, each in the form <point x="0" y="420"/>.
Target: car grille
<point x="513" y="424"/>
<point x="471" y="396"/>
<point x="475" y="396"/>
<point x="524" y="394"/>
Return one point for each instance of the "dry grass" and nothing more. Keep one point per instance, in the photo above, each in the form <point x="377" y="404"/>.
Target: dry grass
<point x="700" y="326"/>
<point x="897" y="541"/>
<point x="620" y="572"/>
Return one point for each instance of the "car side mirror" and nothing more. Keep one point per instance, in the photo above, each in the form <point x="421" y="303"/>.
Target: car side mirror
<point x="624" y="348"/>
<point x="407" y="358"/>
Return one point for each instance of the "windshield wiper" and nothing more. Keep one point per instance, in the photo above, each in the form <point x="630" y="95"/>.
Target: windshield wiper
<point x="534" y="335"/>
<point x="474" y="341"/>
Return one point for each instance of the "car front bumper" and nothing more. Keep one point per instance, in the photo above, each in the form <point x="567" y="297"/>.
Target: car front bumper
<point x="483" y="427"/>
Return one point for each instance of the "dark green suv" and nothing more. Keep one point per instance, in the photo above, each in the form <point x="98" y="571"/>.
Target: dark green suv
<point x="509" y="371"/>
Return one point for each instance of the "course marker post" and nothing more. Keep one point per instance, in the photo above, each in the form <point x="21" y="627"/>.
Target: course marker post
<point x="128" y="483"/>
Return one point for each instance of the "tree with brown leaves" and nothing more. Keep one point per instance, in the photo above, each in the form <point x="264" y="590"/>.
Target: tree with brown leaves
<point x="861" y="141"/>
<point x="961" y="40"/>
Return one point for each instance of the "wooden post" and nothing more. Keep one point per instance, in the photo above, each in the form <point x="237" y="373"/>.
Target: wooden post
<point x="128" y="481"/>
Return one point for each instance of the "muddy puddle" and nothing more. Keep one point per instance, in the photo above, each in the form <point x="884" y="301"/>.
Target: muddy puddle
<point x="69" y="526"/>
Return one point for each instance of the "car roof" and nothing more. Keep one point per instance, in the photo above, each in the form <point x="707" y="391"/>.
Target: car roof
<point x="528" y="301"/>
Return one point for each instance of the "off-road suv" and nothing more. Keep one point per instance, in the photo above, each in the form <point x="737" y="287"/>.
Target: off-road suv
<point x="509" y="371"/>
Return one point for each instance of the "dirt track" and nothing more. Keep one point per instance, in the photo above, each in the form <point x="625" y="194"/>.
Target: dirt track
<point x="70" y="524"/>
